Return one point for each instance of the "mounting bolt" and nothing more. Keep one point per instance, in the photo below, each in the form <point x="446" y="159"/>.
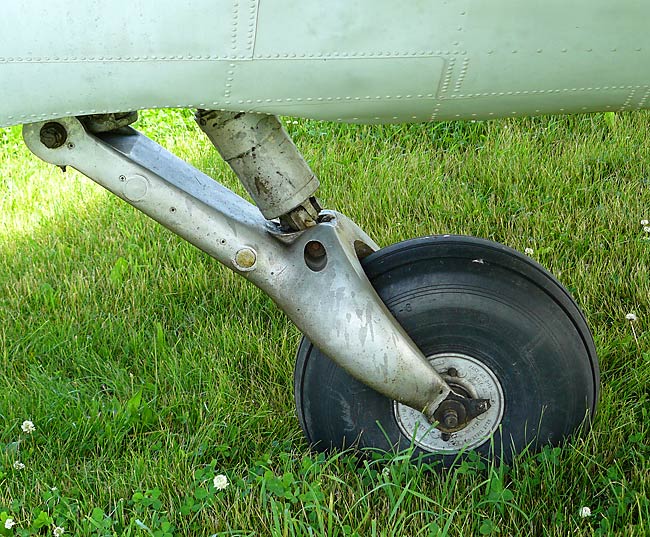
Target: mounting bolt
<point x="450" y="419"/>
<point x="245" y="259"/>
<point x="452" y="372"/>
<point x="53" y="135"/>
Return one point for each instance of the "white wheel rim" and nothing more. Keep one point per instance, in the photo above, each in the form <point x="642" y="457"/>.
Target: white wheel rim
<point x="477" y="380"/>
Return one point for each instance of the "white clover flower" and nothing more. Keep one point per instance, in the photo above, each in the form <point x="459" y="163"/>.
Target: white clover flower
<point x="58" y="531"/>
<point x="28" y="427"/>
<point x="584" y="512"/>
<point x="529" y="251"/>
<point x="220" y="482"/>
<point x="9" y="523"/>
<point x="644" y="222"/>
<point x="631" y="317"/>
<point x="19" y="465"/>
<point x="386" y="471"/>
<point x="646" y="229"/>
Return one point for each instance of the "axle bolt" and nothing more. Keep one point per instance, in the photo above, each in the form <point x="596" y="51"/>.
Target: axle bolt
<point x="53" y="135"/>
<point x="450" y="419"/>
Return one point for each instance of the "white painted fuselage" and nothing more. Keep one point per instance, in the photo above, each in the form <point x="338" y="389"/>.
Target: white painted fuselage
<point x="347" y="60"/>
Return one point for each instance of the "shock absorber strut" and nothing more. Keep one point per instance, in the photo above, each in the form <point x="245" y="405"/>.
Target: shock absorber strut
<point x="268" y="164"/>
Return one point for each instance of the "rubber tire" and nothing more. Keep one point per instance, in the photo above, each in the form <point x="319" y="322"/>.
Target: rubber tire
<point x="480" y="298"/>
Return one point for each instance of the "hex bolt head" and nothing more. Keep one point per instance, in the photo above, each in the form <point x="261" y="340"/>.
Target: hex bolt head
<point x="245" y="259"/>
<point x="53" y="135"/>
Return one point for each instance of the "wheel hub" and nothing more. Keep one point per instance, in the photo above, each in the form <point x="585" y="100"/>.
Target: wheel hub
<point x="464" y="422"/>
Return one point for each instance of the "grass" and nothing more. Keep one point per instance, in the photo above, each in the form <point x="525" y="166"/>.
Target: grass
<point x="147" y="368"/>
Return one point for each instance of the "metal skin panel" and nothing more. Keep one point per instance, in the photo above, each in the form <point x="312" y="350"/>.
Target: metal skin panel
<point x="423" y="59"/>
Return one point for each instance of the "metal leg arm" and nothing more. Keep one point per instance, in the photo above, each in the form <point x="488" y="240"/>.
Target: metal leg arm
<point x="314" y="275"/>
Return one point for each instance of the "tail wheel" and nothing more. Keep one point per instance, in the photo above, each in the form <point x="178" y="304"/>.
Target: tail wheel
<point x="494" y="324"/>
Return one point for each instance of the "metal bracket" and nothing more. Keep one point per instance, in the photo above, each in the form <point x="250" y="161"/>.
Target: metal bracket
<point x="314" y="276"/>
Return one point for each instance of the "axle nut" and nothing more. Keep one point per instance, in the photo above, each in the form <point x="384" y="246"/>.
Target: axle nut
<point x="450" y="419"/>
<point x="245" y="259"/>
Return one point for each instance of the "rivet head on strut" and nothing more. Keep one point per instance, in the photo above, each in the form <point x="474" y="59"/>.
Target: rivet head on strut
<point x="245" y="259"/>
<point x="53" y="135"/>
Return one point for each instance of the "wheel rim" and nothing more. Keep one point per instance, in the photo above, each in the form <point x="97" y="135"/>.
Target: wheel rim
<point x="470" y="377"/>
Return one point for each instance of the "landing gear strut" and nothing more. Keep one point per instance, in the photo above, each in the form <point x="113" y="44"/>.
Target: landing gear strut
<point x="447" y="342"/>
